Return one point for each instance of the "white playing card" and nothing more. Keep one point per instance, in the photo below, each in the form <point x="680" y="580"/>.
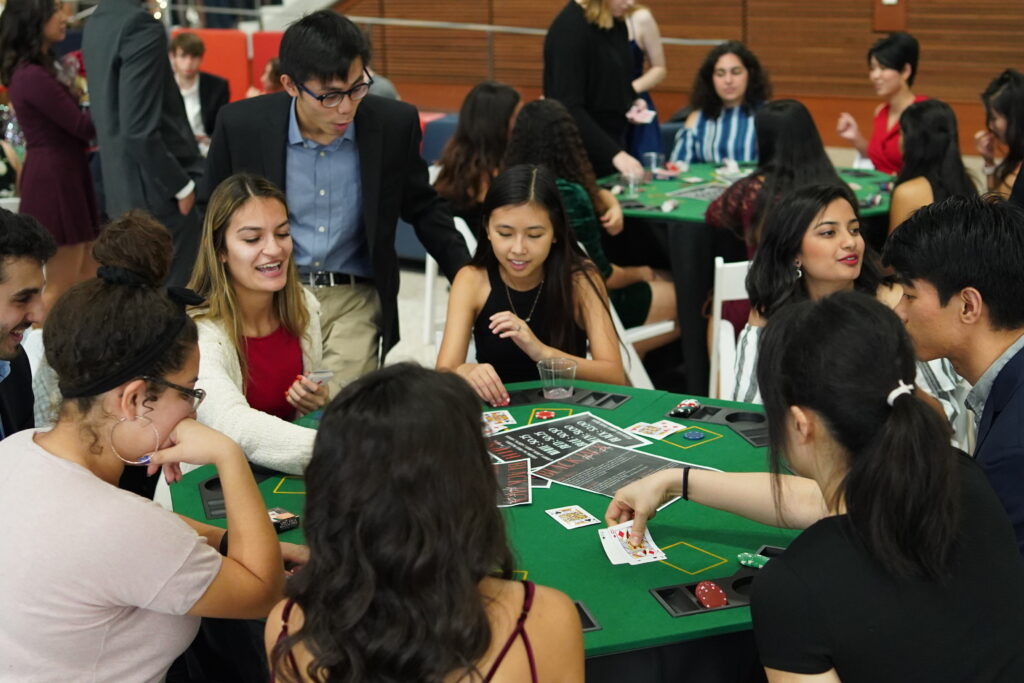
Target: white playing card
<point x="657" y="430"/>
<point x="572" y="516"/>
<point x="668" y="426"/>
<point x="611" y="548"/>
<point x="647" y="551"/>
<point x="499" y="417"/>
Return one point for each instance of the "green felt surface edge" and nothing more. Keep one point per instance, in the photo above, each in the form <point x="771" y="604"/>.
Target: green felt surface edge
<point x="573" y="561"/>
<point x="653" y="193"/>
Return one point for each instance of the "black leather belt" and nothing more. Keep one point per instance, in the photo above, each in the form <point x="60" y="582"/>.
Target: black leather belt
<point x="325" y="278"/>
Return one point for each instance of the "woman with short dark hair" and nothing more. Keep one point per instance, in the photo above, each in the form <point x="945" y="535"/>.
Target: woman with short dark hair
<point x="892" y="63"/>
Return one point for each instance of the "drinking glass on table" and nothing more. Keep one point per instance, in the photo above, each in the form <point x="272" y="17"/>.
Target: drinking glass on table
<point x="556" y="377"/>
<point x="630" y="185"/>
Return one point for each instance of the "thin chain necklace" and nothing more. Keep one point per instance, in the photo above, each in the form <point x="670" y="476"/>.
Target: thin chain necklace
<point x="529" y="315"/>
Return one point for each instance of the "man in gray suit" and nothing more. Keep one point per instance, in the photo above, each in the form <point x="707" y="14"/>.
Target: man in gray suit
<point x="148" y="154"/>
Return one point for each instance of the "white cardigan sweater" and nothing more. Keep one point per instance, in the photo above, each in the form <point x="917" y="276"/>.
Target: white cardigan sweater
<point x="266" y="440"/>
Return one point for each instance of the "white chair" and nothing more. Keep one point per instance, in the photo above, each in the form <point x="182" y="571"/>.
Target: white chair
<point x="430" y="273"/>
<point x="730" y="285"/>
<point x="636" y="374"/>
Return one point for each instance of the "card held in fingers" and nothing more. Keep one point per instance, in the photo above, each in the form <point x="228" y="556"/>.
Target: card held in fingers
<point x="646" y="552"/>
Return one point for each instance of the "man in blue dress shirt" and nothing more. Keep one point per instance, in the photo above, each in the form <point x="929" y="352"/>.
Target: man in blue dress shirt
<point x="349" y="164"/>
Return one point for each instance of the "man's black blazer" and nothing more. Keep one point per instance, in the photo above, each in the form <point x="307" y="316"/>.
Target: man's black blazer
<point x="252" y="135"/>
<point x="213" y="94"/>
<point x="16" y="400"/>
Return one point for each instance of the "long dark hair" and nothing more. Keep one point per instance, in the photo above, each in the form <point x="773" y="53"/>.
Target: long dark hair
<point x="21" y="36"/>
<point x="931" y="149"/>
<point x="546" y="134"/>
<point x="473" y="154"/>
<point x="896" y="51"/>
<point x="402" y="526"/>
<point x="841" y="357"/>
<point x="704" y="97"/>
<point x="1005" y="96"/>
<point x="527" y="184"/>
<point x="790" y="155"/>
<point x="772" y="281"/>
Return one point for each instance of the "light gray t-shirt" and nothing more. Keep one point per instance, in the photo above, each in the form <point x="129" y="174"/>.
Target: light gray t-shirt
<point x="95" y="582"/>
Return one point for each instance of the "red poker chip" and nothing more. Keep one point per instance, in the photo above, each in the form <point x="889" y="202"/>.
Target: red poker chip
<point x="545" y="414"/>
<point x="709" y="594"/>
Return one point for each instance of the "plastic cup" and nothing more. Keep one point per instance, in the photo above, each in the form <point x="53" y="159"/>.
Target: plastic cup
<point x="630" y="185"/>
<point x="653" y="161"/>
<point x="556" y="377"/>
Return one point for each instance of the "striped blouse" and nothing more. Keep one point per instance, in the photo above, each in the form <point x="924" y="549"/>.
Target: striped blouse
<point x="730" y="136"/>
<point x="937" y="377"/>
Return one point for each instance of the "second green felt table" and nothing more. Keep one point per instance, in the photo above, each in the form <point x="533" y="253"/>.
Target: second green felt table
<point x="700" y="543"/>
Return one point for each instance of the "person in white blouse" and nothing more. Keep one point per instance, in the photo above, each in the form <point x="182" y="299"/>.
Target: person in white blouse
<point x="811" y="246"/>
<point x="259" y="329"/>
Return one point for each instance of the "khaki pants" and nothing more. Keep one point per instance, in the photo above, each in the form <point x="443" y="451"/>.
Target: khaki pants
<point x="350" y="317"/>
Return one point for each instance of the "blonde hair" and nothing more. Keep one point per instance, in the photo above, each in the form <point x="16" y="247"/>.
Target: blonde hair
<point x="211" y="279"/>
<point x="597" y="13"/>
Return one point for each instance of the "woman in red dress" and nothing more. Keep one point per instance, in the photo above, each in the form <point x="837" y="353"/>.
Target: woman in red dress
<point x="892" y="63"/>
<point x="56" y="186"/>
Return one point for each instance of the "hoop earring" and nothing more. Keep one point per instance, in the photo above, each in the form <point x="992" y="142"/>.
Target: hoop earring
<point x="147" y="457"/>
<point x="799" y="272"/>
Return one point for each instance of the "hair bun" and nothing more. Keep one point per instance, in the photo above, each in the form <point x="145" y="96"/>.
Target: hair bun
<point x="115" y="275"/>
<point x="134" y="249"/>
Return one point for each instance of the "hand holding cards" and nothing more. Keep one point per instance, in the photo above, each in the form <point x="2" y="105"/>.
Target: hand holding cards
<point x="615" y="541"/>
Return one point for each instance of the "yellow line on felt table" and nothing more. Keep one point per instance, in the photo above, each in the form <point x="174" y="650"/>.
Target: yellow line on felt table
<point x="288" y="493"/>
<point x="699" y="442"/>
<point x="721" y="559"/>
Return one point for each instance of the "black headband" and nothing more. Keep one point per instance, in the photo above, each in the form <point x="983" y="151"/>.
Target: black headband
<point x="138" y="364"/>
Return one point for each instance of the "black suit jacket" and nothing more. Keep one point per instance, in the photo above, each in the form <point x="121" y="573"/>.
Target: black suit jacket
<point x="213" y="94"/>
<point x="1000" y="442"/>
<point x="16" y="399"/>
<point x="252" y="135"/>
<point x="147" y="149"/>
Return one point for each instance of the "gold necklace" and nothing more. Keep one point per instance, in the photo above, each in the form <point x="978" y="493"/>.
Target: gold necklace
<point x="529" y="315"/>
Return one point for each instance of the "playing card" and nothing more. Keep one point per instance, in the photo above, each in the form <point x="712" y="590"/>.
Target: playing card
<point x="499" y="417"/>
<point x="668" y="426"/>
<point x="658" y="430"/>
<point x="646" y="552"/>
<point x="491" y="428"/>
<point x="611" y="548"/>
<point x="572" y="516"/>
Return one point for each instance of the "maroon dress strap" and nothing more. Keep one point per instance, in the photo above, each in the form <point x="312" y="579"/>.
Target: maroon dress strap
<point x="284" y="634"/>
<point x="519" y="630"/>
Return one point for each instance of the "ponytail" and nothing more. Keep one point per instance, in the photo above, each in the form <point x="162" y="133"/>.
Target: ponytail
<point x="844" y="357"/>
<point x="903" y="491"/>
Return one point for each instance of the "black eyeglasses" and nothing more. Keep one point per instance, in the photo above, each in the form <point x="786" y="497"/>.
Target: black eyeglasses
<point x="333" y="98"/>
<point x="196" y="396"/>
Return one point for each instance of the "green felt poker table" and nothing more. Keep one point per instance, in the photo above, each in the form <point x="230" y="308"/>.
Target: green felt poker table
<point x="699" y="542"/>
<point x="866" y="184"/>
<point x="685" y="244"/>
